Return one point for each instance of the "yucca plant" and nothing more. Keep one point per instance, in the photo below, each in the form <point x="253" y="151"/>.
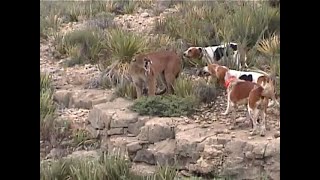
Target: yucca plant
<point x="124" y="45"/>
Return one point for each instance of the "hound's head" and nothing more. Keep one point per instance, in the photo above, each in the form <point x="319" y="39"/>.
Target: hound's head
<point x="193" y="52"/>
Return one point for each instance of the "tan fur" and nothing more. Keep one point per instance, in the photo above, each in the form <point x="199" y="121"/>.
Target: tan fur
<point x="166" y="64"/>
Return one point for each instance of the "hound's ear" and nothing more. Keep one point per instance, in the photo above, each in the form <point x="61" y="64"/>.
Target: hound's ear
<point x="200" y="49"/>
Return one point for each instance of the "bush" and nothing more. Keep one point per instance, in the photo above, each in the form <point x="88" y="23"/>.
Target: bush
<point x="165" y="106"/>
<point x="205" y="93"/>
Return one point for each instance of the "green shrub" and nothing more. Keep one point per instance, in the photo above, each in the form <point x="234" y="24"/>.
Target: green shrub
<point x="165" y="106"/>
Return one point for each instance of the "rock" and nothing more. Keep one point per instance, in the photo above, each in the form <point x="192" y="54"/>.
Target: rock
<point x="94" y="133"/>
<point x="62" y="97"/>
<point x="142" y="169"/>
<point x="117" y="144"/>
<point x="84" y="154"/>
<point x="115" y="131"/>
<point x="259" y="150"/>
<point x="100" y="116"/>
<point x="145" y="156"/>
<point x="189" y="143"/>
<point x="56" y="153"/>
<point x="202" y="166"/>
<point x="164" y="152"/>
<point x="249" y="155"/>
<point x="123" y="119"/>
<point x="157" y="129"/>
<point x="210" y="152"/>
<point x="134" y="128"/>
<point x="277" y="134"/>
<point x="87" y="98"/>
<point x="144" y="15"/>
<point x="235" y="147"/>
<point x="273" y="149"/>
<point x="134" y="147"/>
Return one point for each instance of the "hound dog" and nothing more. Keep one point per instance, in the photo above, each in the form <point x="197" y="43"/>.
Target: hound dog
<point x="214" y="54"/>
<point x="255" y="96"/>
<point x="222" y="73"/>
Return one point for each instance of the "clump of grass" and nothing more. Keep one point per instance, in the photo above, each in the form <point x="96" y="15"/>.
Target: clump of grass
<point x="47" y="106"/>
<point x="81" y="46"/>
<point x="103" y="20"/>
<point x="105" y="167"/>
<point x="50" y="129"/>
<point x="122" y="6"/>
<point x="126" y="89"/>
<point x="270" y="46"/>
<point x="183" y="87"/>
<point x="200" y="90"/>
<point x="164" y="106"/>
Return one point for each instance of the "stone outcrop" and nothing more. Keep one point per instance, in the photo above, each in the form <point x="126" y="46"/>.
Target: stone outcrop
<point x="198" y="149"/>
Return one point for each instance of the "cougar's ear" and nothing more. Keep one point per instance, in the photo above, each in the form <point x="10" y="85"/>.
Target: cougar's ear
<point x="133" y="60"/>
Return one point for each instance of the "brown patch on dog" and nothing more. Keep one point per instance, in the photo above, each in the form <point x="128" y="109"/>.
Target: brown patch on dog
<point x="241" y="91"/>
<point x="145" y="68"/>
<point x="219" y="72"/>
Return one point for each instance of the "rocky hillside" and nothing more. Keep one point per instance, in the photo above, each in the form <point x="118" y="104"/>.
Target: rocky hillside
<point x="198" y="144"/>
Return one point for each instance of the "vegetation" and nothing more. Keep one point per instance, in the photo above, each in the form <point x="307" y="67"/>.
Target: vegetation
<point x="164" y="106"/>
